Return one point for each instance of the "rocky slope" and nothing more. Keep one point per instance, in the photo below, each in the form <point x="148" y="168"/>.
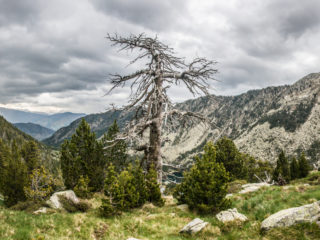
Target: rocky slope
<point x="261" y="122"/>
<point x="35" y="130"/>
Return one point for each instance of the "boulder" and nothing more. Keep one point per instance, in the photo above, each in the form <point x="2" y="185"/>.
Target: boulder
<point x="196" y="225"/>
<point x="183" y="207"/>
<point x="291" y="216"/>
<point x="231" y="215"/>
<point x="41" y="210"/>
<point x="252" y="187"/>
<point x="54" y="201"/>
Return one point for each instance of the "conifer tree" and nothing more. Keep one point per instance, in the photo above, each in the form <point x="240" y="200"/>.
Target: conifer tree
<point x="82" y="189"/>
<point x="14" y="177"/>
<point x="31" y="155"/>
<point x="139" y="182"/>
<point x="282" y="168"/>
<point x="153" y="188"/>
<point x="115" y="152"/>
<point x="39" y="185"/>
<point x="204" y="187"/>
<point x="228" y="154"/>
<point x="294" y="169"/>
<point x="303" y="166"/>
<point x="83" y="155"/>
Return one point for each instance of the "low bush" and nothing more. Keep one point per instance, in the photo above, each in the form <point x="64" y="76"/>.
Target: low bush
<point x="28" y="206"/>
<point x="205" y="186"/>
<point x="71" y="207"/>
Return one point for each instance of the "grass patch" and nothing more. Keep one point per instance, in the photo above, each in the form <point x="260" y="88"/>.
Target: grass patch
<point x="151" y="222"/>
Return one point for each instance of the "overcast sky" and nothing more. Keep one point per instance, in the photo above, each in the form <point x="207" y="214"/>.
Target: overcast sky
<point x="54" y="56"/>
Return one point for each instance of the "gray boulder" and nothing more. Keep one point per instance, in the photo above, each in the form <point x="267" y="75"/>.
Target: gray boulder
<point x="196" y="225"/>
<point x="54" y="201"/>
<point x="231" y="215"/>
<point x="291" y="216"/>
<point x="252" y="187"/>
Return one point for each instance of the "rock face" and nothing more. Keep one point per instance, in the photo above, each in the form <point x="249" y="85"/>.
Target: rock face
<point x="258" y="122"/>
<point x="231" y="215"/>
<point x="194" y="226"/>
<point x="54" y="201"/>
<point x="291" y="216"/>
<point x="252" y="187"/>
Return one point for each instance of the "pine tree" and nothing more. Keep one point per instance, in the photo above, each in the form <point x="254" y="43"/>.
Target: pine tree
<point x="204" y="187"/>
<point x="115" y="154"/>
<point x="111" y="178"/>
<point x="228" y="154"/>
<point x="31" y="155"/>
<point x="294" y="169"/>
<point x="153" y="188"/>
<point x="14" y="177"/>
<point x="303" y="166"/>
<point x="83" y="155"/>
<point x="282" y="168"/>
<point x="39" y="186"/>
<point x="5" y="155"/>
<point x="82" y="189"/>
<point x="139" y="182"/>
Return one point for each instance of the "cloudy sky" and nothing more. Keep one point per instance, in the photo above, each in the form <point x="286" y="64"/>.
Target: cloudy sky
<point x="54" y="56"/>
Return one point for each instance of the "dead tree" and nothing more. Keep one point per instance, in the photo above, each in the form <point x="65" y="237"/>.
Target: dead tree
<point x="149" y="87"/>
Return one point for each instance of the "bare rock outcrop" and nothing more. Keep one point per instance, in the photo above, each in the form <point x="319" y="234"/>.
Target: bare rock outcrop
<point x="196" y="225"/>
<point x="253" y="187"/>
<point x="54" y="201"/>
<point x="231" y="215"/>
<point x="291" y="216"/>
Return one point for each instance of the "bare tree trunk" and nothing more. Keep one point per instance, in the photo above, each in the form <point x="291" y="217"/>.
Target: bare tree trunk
<point x="162" y="70"/>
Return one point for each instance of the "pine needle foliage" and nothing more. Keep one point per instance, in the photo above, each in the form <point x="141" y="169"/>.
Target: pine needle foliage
<point x="83" y="156"/>
<point x="204" y="187"/>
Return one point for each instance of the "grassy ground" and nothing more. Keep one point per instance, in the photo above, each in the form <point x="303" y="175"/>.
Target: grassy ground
<point x="150" y="222"/>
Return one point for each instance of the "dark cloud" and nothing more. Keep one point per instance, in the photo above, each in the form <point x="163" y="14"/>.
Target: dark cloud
<point x="156" y="15"/>
<point x="54" y="54"/>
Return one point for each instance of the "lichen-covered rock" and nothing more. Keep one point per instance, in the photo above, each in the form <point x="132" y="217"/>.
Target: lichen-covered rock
<point x="231" y="215"/>
<point x="54" y="201"/>
<point x="291" y="216"/>
<point x="196" y="225"/>
<point x="252" y="187"/>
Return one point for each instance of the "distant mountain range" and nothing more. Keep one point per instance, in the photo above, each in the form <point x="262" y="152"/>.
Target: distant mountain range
<point x="261" y="122"/>
<point x="53" y="121"/>
<point x="10" y="133"/>
<point x="35" y="130"/>
<point x="99" y="123"/>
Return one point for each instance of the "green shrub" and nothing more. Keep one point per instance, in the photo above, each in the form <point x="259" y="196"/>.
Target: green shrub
<point x="282" y="169"/>
<point x="82" y="188"/>
<point x="39" y="186"/>
<point x="204" y="187"/>
<point x="129" y="189"/>
<point x="234" y="162"/>
<point x="106" y="209"/>
<point x="28" y="206"/>
<point x="153" y="188"/>
<point x="72" y="207"/>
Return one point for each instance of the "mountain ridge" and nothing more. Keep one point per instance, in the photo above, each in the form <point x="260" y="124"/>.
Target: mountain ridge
<point x="260" y="121"/>
<point x="51" y="121"/>
<point x="35" y="130"/>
